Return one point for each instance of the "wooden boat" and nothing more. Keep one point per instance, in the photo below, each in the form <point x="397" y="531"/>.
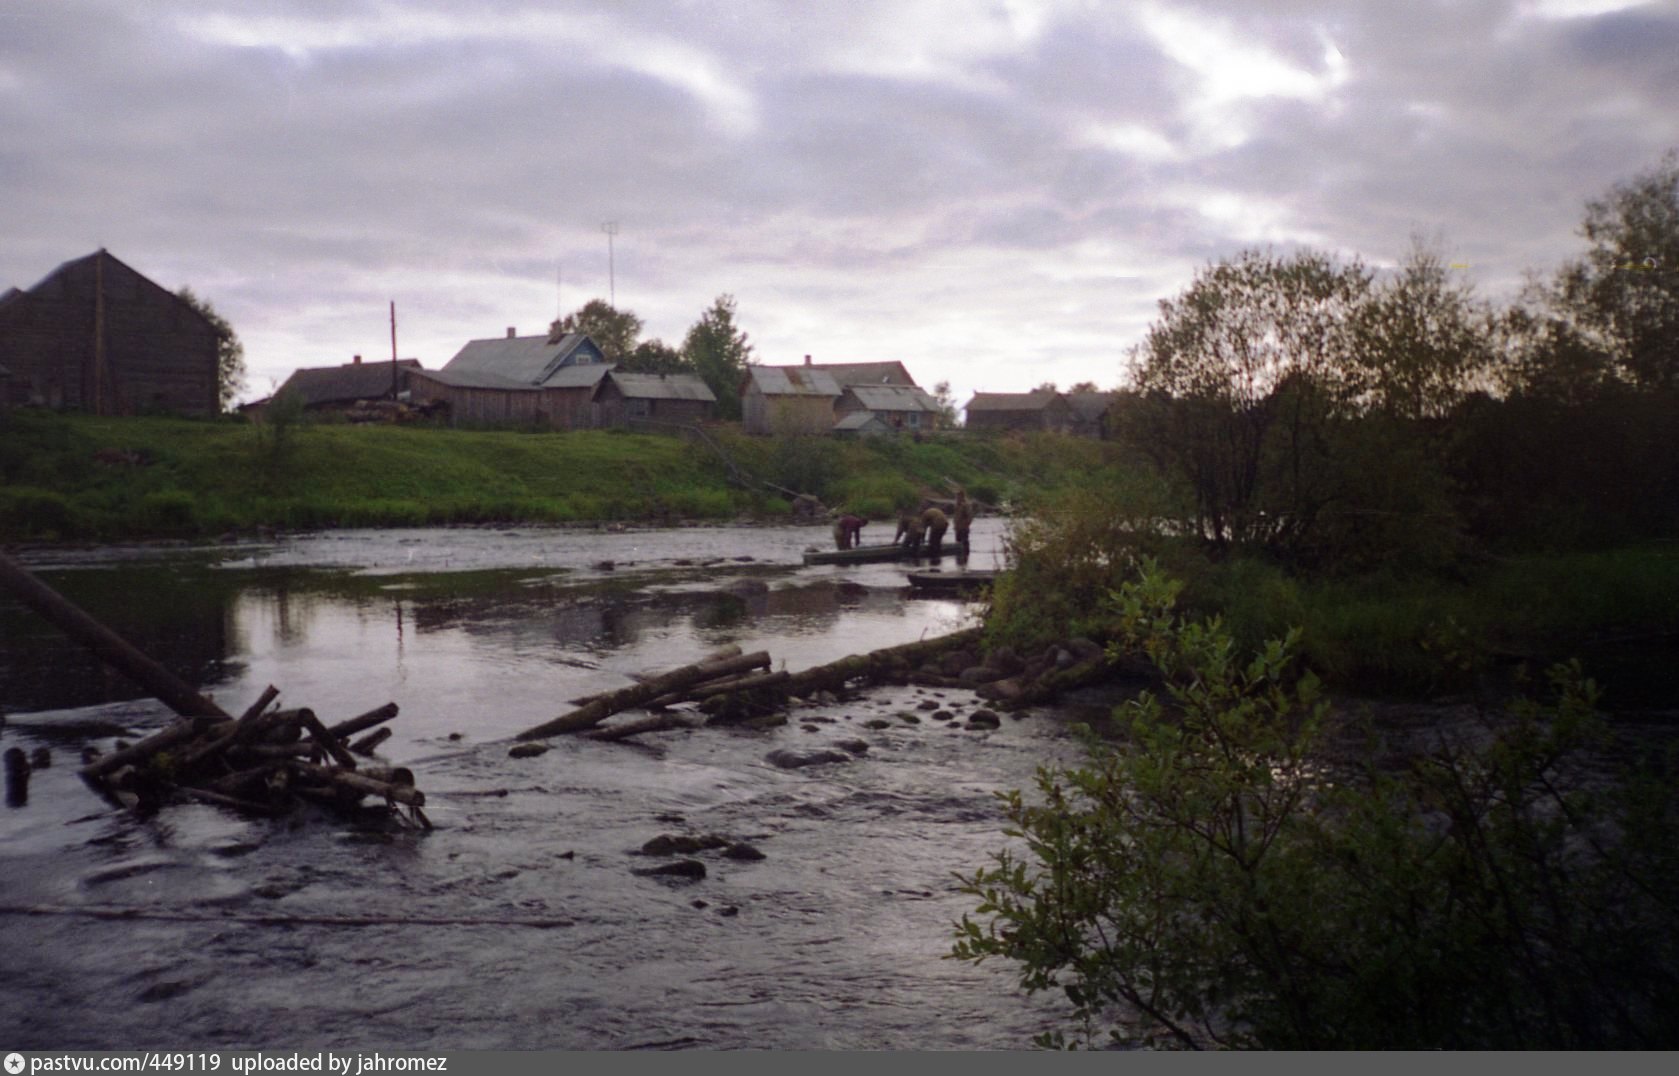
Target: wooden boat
<point x="957" y="582"/>
<point x="863" y="554"/>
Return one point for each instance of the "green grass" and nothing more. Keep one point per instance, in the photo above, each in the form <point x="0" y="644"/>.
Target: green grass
<point x="59" y="481"/>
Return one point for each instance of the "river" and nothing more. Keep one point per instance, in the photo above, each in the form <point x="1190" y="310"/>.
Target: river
<point x="519" y="921"/>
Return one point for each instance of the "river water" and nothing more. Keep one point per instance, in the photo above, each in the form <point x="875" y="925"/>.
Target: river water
<point x="519" y="921"/>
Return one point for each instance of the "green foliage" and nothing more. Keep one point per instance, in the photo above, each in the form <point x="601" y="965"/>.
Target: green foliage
<point x="614" y="331"/>
<point x="1211" y="880"/>
<point x="719" y="351"/>
<point x="37" y="513"/>
<point x="230" y="353"/>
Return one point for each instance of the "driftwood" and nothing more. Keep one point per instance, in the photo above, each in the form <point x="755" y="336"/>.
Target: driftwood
<point x="656" y="723"/>
<point x="198" y="756"/>
<point x="111" y="648"/>
<point x="611" y="703"/>
<point x="708" y="688"/>
<point x="889" y="663"/>
<point x="367" y="744"/>
<point x="644" y="677"/>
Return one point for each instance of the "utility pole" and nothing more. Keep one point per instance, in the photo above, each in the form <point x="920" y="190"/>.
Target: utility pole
<point x="611" y="229"/>
<point x="393" y="350"/>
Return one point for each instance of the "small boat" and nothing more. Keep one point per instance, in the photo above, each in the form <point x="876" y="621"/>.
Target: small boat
<point x="958" y="582"/>
<point x="863" y="554"/>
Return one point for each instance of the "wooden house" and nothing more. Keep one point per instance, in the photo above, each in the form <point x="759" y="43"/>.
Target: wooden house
<point x="95" y="335"/>
<point x="517" y="380"/>
<point x="813" y="397"/>
<point x="788" y="400"/>
<point x="898" y="407"/>
<point x="625" y="399"/>
<point x="1019" y="411"/>
<point x="342" y="388"/>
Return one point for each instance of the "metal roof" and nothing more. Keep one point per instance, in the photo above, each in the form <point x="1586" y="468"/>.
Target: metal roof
<point x="793" y="381"/>
<point x="567" y="377"/>
<point x="662" y="387"/>
<point x="858" y="420"/>
<point x="893" y="398"/>
<point x="529" y="360"/>
<point x="866" y="373"/>
<point x="1090" y="405"/>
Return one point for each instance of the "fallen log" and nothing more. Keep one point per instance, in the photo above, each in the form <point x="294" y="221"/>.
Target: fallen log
<point x="369" y="743"/>
<point x="876" y="665"/>
<point x="613" y="702"/>
<point x="111" y="648"/>
<point x="332" y="745"/>
<point x="708" y="688"/>
<point x="644" y="677"/>
<point x="656" y="723"/>
<point x="178" y="732"/>
<point x="366" y="721"/>
<point x="361" y="785"/>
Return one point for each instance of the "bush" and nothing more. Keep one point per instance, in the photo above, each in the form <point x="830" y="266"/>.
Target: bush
<point x="1210" y="880"/>
<point x="36" y="513"/>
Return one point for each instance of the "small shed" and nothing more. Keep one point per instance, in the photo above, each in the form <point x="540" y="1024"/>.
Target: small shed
<point x="862" y="424"/>
<point x="624" y="399"/>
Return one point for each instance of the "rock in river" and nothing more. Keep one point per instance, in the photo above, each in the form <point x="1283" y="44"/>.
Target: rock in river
<point x="790" y="759"/>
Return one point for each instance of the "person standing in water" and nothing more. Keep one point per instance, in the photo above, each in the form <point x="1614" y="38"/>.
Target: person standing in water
<point x="964" y="519"/>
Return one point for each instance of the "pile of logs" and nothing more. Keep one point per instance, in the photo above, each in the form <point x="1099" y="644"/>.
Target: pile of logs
<point x="263" y="761"/>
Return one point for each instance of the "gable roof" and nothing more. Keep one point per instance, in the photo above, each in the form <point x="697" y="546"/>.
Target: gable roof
<point x="46" y="284"/>
<point x="862" y="420"/>
<point x="531" y="361"/>
<point x="662" y="387"/>
<point x="1012" y="401"/>
<point x="351" y="381"/>
<point x="893" y="398"/>
<point x="866" y="373"/>
<point x="793" y="380"/>
<point x="567" y="377"/>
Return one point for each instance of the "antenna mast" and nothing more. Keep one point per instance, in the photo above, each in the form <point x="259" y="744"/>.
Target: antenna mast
<point x="611" y="229"/>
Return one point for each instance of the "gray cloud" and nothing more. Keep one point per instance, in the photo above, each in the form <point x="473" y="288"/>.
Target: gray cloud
<point x="997" y="194"/>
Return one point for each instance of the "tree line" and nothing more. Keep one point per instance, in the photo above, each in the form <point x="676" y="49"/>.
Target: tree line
<point x="1335" y="416"/>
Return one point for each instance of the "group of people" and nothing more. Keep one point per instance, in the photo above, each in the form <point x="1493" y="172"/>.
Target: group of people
<point x="917" y="527"/>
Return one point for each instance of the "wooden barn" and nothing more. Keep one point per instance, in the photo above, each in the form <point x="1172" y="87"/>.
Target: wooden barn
<point x="625" y="399"/>
<point x="517" y="380"/>
<point x="341" y="388"/>
<point x="898" y="407"/>
<point x="1019" y="411"/>
<point x="97" y="336"/>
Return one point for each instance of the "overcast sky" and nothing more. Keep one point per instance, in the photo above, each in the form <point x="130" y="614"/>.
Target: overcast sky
<point x="996" y="194"/>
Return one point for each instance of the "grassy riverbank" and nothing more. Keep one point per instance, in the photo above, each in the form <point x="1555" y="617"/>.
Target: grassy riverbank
<point x="78" y="478"/>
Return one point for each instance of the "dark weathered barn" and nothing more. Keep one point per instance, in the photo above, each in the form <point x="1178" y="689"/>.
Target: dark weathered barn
<point x="1019" y="411"/>
<point x="1090" y="413"/>
<point x="625" y="399"/>
<point x="95" y="335"/>
<point x="517" y="380"/>
<point x="330" y="388"/>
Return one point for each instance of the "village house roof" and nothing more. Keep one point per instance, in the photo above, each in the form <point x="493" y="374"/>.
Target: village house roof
<point x="526" y="361"/>
<point x="343" y="384"/>
<point x="865" y="373"/>
<point x="662" y="387"/>
<point x="567" y="377"/>
<point x="893" y="398"/>
<point x="793" y="381"/>
<point x="860" y="422"/>
<point x="1011" y="401"/>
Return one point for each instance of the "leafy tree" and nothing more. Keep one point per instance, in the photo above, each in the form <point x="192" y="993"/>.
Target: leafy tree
<point x="1047" y="386"/>
<point x="614" y="331"/>
<point x="1247" y="331"/>
<point x="1210" y="878"/>
<point x="947" y="404"/>
<point x="719" y="352"/>
<point x="655" y="357"/>
<point x="1082" y="386"/>
<point x="1624" y="294"/>
<point x="230" y="353"/>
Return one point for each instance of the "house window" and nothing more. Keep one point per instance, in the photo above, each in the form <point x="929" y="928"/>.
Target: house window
<point x="914" y="419"/>
<point x="639" y="408"/>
